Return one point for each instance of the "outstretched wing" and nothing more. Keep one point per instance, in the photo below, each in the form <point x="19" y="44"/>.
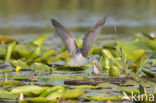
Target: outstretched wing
<point x="91" y="36"/>
<point x="67" y="38"/>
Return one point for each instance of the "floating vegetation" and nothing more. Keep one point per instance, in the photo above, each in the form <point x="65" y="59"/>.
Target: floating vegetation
<point x="38" y="73"/>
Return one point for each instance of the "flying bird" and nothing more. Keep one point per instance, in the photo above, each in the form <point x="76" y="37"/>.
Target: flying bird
<point x="68" y="39"/>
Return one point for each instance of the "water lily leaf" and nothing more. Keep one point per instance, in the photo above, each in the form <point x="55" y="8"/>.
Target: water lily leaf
<point x="30" y="90"/>
<point x="64" y="56"/>
<point x="153" y="62"/>
<point x="25" y="50"/>
<point x="7" y="95"/>
<point x="151" y="44"/>
<point x="95" y="50"/>
<point x="114" y="72"/>
<point x="2" y="53"/>
<point x="51" y="90"/>
<point x="49" y="53"/>
<point x="56" y="79"/>
<point x="141" y="43"/>
<point x="131" y="51"/>
<point x="6" y="39"/>
<point x="127" y="47"/>
<point x="21" y="64"/>
<point x="107" y="54"/>
<point x="149" y="74"/>
<point x="11" y="83"/>
<point x="55" y="95"/>
<point x="39" y="67"/>
<point x="85" y="87"/>
<point x="36" y="53"/>
<point x="18" y="76"/>
<point x="135" y="55"/>
<point x="6" y="70"/>
<point x="128" y="90"/>
<point x="73" y="93"/>
<point x="115" y="98"/>
<point x="9" y="51"/>
<point x="39" y="40"/>
<point x="40" y="100"/>
<point x="153" y="53"/>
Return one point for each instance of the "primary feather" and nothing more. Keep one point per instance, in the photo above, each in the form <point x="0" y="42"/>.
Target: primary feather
<point x="67" y="38"/>
<point x="91" y="36"/>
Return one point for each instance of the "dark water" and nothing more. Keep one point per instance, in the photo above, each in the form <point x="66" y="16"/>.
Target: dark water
<point x="33" y="16"/>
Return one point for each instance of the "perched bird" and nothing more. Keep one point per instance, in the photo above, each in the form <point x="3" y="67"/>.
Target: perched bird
<point x="70" y="43"/>
<point x="96" y="69"/>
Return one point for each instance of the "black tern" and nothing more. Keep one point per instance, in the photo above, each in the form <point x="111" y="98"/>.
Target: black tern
<point x="71" y="45"/>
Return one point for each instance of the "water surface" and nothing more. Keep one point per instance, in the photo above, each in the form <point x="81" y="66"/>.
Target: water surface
<point x="33" y="17"/>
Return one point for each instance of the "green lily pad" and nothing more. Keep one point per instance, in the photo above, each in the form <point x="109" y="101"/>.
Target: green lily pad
<point x="7" y="95"/>
<point x="11" y="83"/>
<point x="39" y="67"/>
<point x="149" y="74"/>
<point x="151" y="44"/>
<point x="30" y="90"/>
<point x="6" y="39"/>
<point x="51" y="90"/>
<point x="128" y="90"/>
<point x="9" y="51"/>
<point x="85" y="87"/>
<point x="40" y="100"/>
<point x="21" y="64"/>
<point x="55" y="95"/>
<point x="2" y="53"/>
<point x="72" y="93"/>
<point x="39" y="40"/>
<point x="25" y="50"/>
<point x="114" y="72"/>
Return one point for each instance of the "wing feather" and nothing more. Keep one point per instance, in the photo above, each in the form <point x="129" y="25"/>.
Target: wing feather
<point x="91" y="36"/>
<point x="67" y="38"/>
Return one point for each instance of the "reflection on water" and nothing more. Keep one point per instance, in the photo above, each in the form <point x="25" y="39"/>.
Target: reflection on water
<point x="128" y="16"/>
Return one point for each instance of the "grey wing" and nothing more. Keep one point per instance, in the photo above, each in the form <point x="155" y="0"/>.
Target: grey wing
<point x="67" y="38"/>
<point x="91" y="36"/>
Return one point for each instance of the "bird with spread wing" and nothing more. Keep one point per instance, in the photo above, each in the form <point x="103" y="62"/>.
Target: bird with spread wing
<point x="71" y="45"/>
